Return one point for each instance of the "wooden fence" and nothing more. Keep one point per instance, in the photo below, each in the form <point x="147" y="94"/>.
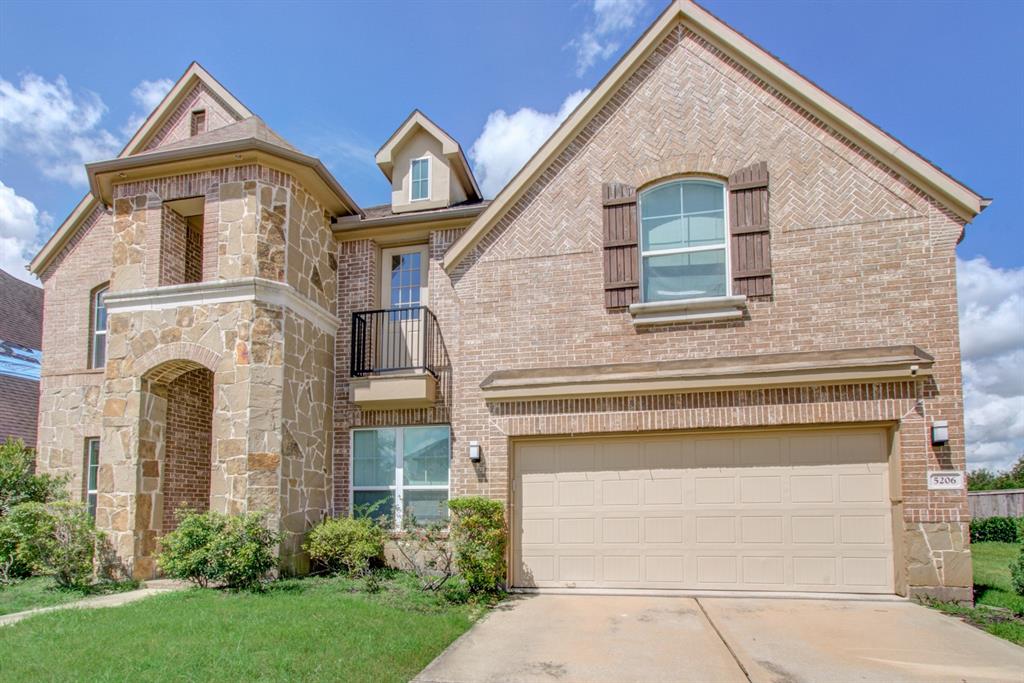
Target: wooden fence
<point x="1005" y="503"/>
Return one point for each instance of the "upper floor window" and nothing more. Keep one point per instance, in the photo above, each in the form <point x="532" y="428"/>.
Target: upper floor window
<point x="683" y="245"/>
<point x="98" y="333"/>
<point x="198" y="122"/>
<point x="420" y="172"/>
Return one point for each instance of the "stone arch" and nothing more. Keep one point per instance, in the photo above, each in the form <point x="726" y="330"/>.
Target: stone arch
<point x="167" y="362"/>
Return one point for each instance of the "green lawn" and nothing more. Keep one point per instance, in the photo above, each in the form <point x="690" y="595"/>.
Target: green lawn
<point x="311" y="629"/>
<point x="998" y="609"/>
<point x="39" y="591"/>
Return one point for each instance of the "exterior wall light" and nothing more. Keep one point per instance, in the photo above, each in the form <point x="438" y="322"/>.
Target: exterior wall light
<point x="940" y="433"/>
<point x="474" y="451"/>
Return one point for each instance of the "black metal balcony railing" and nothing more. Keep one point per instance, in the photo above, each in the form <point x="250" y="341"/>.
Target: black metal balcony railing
<point x="395" y="339"/>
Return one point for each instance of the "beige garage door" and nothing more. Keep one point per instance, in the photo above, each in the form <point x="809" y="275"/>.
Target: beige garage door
<point x="792" y="511"/>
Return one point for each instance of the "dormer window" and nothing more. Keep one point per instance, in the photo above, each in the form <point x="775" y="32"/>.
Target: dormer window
<point x="198" y="122"/>
<point x="420" y="175"/>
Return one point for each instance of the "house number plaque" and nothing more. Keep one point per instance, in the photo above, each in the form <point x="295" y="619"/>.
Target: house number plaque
<point x="946" y="480"/>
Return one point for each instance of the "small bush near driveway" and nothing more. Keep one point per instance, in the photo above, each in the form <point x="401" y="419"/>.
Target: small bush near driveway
<point x="480" y="536"/>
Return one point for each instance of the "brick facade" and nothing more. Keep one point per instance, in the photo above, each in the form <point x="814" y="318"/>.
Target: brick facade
<point x="187" y="451"/>
<point x="860" y="258"/>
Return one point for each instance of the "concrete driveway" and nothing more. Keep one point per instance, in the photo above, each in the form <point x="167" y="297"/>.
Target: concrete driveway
<point x="570" y="638"/>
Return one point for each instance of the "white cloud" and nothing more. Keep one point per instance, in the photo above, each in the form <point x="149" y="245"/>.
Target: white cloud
<point x="509" y="140"/>
<point x="58" y="129"/>
<point x="600" y="39"/>
<point x="147" y="95"/>
<point x="992" y="345"/>
<point x="21" y="226"/>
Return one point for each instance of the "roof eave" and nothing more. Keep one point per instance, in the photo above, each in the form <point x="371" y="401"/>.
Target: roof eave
<point x="97" y="171"/>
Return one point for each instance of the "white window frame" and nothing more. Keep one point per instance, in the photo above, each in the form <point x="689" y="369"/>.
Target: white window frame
<point x="90" y="443"/>
<point x="412" y="182"/>
<point x="683" y="250"/>
<point x="98" y="336"/>
<point x="397" y="488"/>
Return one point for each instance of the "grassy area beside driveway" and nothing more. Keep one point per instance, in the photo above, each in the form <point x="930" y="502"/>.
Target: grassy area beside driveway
<point x="309" y="629"/>
<point x="997" y="609"/>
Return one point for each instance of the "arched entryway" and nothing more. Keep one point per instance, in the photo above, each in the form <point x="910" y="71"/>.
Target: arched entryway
<point x="178" y="433"/>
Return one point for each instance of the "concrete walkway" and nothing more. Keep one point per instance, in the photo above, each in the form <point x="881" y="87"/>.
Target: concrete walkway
<point x="149" y="589"/>
<point x="570" y="638"/>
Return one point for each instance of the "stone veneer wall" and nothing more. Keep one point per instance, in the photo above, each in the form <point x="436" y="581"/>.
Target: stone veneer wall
<point x="189" y="439"/>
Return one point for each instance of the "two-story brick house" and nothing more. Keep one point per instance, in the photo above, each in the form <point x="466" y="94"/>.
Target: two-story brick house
<point x="700" y="341"/>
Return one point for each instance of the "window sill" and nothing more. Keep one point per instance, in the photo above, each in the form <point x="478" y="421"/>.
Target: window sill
<point x="689" y="310"/>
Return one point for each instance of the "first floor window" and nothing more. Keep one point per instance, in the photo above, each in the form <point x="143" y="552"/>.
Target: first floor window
<point x="683" y="252"/>
<point x="401" y="473"/>
<point x="92" y="467"/>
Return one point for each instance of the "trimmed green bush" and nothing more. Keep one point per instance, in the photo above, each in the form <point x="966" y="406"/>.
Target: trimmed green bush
<point x="18" y="481"/>
<point x="346" y="544"/>
<point x="1017" y="572"/>
<point x="1001" y="529"/>
<point x="479" y="535"/>
<point x="236" y="551"/>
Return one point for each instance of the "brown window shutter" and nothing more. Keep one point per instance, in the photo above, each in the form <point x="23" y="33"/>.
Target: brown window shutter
<point x="749" y="234"/>
<point x="621" y="251"/>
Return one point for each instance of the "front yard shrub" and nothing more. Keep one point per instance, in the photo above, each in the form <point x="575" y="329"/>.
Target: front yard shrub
<point x="18" y="481"/>
<point x="70" y="547"/>
<point x="22" y="531"/>
<point x="346" y="544"/>
<point x="1017" y="572"/>
<point x="236" y="551"/>
<point x="479" y="537"/>
<point x="1000" y="529"/>
<point x="58" y="539"/>
<point x="426" y="551"/>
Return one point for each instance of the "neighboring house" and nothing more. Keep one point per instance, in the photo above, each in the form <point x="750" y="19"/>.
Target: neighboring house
<point x="21" y="327"/>
<point x="699" y="341"/>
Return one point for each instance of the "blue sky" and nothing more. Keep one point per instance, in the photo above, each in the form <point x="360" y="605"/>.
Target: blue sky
<point x="336" y="79"/>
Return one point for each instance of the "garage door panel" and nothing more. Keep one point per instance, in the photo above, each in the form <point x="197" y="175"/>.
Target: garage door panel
<point x="667" y="491"/>
<point x="719" y="512"/>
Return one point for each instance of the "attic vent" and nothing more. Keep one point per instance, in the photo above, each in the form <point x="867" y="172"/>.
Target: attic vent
<point x="198" y="122"/>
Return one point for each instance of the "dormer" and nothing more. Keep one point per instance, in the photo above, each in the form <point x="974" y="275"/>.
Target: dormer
<point x="426" y="167"/>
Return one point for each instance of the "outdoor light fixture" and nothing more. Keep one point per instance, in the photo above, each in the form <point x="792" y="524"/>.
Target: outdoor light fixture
<point x="940" y="433"/>
<point x="474" y="451"/>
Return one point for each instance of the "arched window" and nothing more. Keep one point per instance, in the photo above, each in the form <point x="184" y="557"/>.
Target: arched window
<point x="683" y="245"/>
<point x="98" y="328"/>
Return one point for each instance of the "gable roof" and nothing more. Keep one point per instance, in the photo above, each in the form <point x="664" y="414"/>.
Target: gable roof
<point x="953" y="194"/>
<point x="450" y="148"/>
<point x="253" y="128"/>
<point x="193" y="75"/>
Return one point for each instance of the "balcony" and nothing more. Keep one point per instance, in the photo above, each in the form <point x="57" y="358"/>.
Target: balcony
<point x="397" y="358"/>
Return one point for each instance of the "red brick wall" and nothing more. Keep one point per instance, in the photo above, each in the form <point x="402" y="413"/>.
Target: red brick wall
<point x="187" y="461"/>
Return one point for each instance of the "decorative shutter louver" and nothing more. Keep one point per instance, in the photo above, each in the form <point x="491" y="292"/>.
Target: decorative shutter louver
<point x="749" y="234"/>
<point x="621" y="249"/>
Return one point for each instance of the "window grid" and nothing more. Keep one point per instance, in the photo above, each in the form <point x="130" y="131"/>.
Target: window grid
<point x="398" y="488"/>
<point x="99" y="329"/>
<point x="92" y="450"/>
<point x="420" y="186"/>
<point x="722" y="246"/>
